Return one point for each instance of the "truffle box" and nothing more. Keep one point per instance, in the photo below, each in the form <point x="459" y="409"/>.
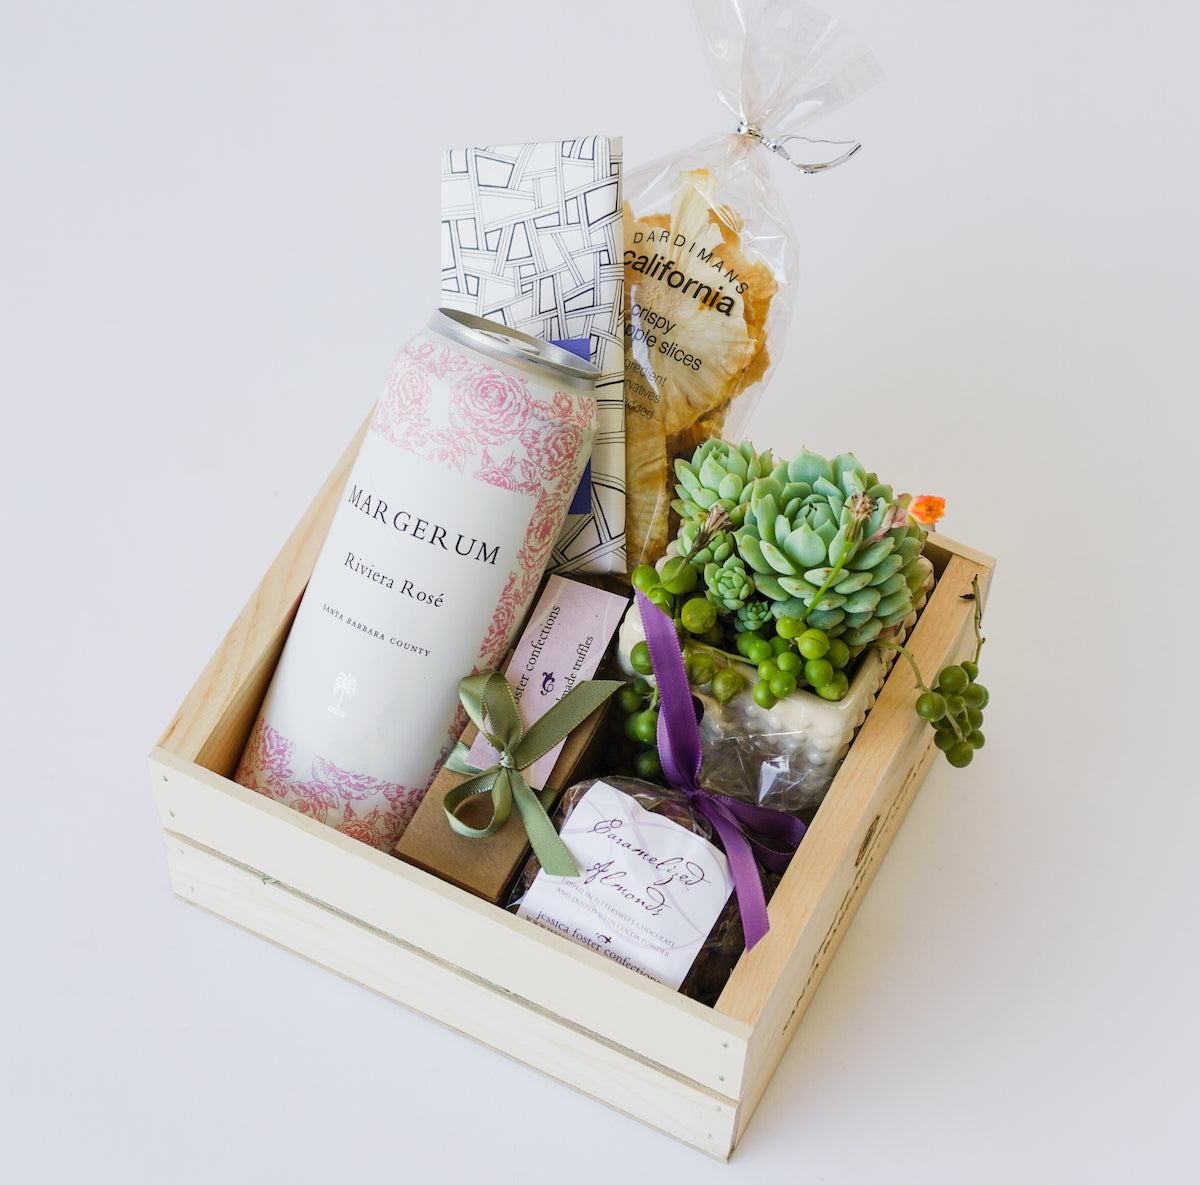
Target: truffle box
<point x="694" y="1072"/>
<point x="564" y="640"/>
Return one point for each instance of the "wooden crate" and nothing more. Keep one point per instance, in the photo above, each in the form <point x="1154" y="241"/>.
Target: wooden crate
<point x="694" y="1072"/>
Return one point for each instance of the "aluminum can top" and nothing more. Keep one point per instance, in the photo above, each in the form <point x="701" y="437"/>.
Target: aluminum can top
<point x="551" y="365"/>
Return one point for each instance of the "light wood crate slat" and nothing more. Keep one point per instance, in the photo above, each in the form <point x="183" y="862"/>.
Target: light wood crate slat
<point x="451" y="925"/>
<point x="482" y="1011"/>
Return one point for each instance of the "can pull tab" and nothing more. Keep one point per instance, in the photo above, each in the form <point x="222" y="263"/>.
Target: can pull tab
<point x="505" y="343"/>
<point x="777" y="146"/>
<point x="512" y="341"/>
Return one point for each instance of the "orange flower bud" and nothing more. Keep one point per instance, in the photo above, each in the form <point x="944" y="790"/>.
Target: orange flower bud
<point x="927" y="509"/>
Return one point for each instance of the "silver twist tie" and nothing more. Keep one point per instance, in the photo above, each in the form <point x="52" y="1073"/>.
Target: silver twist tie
<point x="777" y="146"/>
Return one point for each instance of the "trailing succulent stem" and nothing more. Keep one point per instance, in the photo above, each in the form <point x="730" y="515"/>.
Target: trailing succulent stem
<point x="954" y="705"/>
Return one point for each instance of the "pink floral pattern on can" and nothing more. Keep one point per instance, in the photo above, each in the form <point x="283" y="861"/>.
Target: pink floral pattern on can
<point x="496" y="430"/>
<point x="488" y="406"/>
<point x="487" y="424"/>
<point x="327" y="796"/>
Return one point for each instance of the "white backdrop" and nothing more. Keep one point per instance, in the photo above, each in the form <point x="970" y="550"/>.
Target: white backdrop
<point x="218" y="221"/>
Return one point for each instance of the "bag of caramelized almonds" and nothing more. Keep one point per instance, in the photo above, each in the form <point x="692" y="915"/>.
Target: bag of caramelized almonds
<point x="709" y="251"/>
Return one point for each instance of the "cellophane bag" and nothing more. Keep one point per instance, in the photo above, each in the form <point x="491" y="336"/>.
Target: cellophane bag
<point x="724" y="941"/>
<point x="710" y="254"/>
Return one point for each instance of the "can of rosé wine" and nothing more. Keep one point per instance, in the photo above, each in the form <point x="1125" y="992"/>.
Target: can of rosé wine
<point x="434" y="554"/>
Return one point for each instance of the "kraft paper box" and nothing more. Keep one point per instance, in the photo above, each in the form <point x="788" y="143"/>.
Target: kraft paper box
<point x="562" y="644"/>
<point x="486" y="867"/>
<point x="532" y="237"/>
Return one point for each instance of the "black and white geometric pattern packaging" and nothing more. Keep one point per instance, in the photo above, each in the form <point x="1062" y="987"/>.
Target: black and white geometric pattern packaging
<point x="532" y="237"/>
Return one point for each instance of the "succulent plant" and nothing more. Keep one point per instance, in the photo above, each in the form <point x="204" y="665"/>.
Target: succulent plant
<point x="798" y="565"/>
<point x="700" y="544"/>
<point x="718" y="472"/>
<point x="729" y="585"/>
<point x="753" y="615"/>
<point x="954" y="704"/>
<point x="832" y="546"/>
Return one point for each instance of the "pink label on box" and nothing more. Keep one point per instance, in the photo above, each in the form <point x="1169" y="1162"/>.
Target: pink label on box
<point x="568" y="632"/>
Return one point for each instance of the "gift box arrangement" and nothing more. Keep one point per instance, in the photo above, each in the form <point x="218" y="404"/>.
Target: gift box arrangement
<point x="693" y="1071"/>
<point x="559" y="718"/>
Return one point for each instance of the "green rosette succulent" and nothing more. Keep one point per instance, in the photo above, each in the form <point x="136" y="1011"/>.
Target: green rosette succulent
<point x="702" y="546"/>
<point x="832" y="546"/>
<point x="753" y="615"/>
<point x="729" y="585"/>
<point x="718" y="472"/>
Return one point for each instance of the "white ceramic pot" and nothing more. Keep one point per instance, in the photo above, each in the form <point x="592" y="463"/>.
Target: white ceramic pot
<point x="784" y="756"/>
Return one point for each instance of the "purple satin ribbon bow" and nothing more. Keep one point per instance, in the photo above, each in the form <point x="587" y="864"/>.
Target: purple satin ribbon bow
<point x="679" y="753"/>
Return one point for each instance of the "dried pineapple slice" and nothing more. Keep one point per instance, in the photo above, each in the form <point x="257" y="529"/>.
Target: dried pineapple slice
<point x="647" y="488"/>
<point x="696" y="310"/>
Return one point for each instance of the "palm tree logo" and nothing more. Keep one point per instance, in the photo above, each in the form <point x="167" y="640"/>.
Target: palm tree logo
<point x="345" y="685"/>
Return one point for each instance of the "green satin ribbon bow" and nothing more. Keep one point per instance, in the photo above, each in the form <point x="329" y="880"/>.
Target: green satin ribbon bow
<point x="490" y="703"/>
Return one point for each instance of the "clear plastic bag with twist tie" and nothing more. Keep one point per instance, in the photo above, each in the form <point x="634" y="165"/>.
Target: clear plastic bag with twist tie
<point x="710" y="254"/>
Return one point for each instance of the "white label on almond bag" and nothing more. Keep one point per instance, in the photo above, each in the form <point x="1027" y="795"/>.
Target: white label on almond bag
<point x="649" y="892"/>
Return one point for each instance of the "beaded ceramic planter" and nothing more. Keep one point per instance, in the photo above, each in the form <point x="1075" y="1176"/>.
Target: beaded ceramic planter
<point x="785" y="755"/>
<point x="694" y="1072"/>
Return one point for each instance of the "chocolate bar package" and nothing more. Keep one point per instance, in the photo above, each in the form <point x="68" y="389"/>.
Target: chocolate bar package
<point x="532" y="237"/>
<point x="561" y="646"/>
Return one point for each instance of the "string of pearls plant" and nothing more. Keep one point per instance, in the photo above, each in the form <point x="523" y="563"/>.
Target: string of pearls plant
<point x="794" y="567"/>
